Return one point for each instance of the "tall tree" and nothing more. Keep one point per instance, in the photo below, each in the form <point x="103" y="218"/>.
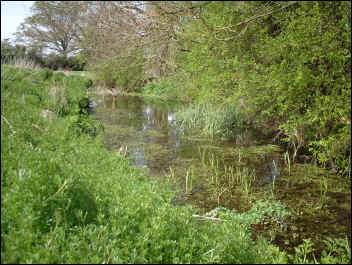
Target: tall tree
<point x="54" y="25"/>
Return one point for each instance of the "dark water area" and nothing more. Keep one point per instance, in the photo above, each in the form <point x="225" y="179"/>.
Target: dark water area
<point x="230" y="173"/>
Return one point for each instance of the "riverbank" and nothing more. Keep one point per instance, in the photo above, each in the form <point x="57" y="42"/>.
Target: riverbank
<point x="67" y="199"/>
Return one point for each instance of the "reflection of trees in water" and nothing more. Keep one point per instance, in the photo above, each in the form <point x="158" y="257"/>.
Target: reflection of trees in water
<point x="150" y="129"/>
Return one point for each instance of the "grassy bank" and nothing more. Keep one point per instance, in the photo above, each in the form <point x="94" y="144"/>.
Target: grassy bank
<point x="66" y="199"/>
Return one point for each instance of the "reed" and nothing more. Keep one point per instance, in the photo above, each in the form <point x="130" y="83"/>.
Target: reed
<point x="245" y="178"/>
<point x="273" y="186"/>
<point x="171" y="176"/>
<point x="202" y="155"/>
<point x="323" y="183"/>
<point x="288" y="162"/>
<point x="211" y="120"/>
<point x="189" y="180"/>
<point x="23" y="62"/>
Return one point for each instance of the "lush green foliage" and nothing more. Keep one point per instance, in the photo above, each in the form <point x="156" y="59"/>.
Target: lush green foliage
<point x="67" y="199"/>
<point x="74" y="63"/>
<point x="170" y="87"/>
<point x="288" y="72"/>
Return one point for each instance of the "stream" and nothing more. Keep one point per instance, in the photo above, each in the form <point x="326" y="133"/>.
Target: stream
<point x="206" y="172"/>
<point x="154" y="141"/>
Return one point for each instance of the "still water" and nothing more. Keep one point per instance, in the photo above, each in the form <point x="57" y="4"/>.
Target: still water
<point x="155" y="141"/>
<point x="210" y="173"/>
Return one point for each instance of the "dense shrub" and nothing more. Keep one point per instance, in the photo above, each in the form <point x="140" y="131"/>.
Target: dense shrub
<point x="290" y="72"/>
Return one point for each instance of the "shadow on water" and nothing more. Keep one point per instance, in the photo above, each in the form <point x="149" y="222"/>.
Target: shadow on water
<point x="211" y="173"/>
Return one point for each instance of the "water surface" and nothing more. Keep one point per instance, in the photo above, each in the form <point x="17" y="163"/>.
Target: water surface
<point x="204" y="171"/>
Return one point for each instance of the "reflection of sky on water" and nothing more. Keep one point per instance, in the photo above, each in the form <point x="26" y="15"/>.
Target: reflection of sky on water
<point x="152" y="119"/>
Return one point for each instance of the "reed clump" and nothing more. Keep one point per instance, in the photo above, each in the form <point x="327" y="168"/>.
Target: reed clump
<point x="211" y="120"/>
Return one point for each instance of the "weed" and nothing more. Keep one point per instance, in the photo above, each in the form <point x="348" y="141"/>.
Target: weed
<point x="302" y="252"/>
<point x="189" y="180"/>
<point x="245" y="178"/>
<point x="339" y="251"/>
<point x="323" y="184"/>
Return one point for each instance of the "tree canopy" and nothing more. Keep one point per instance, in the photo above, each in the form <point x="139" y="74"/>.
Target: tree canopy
<point x="54" y="25"/>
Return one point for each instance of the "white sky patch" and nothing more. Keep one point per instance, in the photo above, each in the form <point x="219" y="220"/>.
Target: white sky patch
<point x="13" y="14"/>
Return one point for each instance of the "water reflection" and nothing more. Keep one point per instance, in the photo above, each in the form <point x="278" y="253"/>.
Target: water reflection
<point x="154" y="139"/>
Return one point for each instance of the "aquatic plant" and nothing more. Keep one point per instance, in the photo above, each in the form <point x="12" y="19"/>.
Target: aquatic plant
<point x="302" y="252"/>
<point x="323" y="184"/>
<point x="202" y="154"/>
<point x="189" y="180"/>
<point x="339" y="251"/>
<point x="245" y="178"/>
<point x="211" y="120"/>
<point x="274" y="173"/>
<point x="288" y="162"/>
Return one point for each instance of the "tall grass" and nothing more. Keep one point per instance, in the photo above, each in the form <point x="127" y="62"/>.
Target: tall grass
<point x="22" y="62"/>
<point x="211" y="120"/>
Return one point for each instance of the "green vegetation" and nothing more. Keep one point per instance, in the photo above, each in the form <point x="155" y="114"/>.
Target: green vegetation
<point x="67" y="199"/>
<point x="17" y="54"/>
<point x="287" y="73"/>
<point x="281" y="70"/>
<point x="212" y="120"/>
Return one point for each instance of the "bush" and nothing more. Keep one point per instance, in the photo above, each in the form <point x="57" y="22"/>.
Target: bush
<point x="77" y="63"/>
<point x="290" y="72"/>
<point x="168" y="87"/>
<point x="88" y="83"/>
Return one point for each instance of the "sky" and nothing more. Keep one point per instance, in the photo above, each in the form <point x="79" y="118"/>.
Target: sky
<point x="13" y="14"/>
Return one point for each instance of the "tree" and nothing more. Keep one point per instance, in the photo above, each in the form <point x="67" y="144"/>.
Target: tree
<point x="116" y="32"/>
<point x="54" y="25"/>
